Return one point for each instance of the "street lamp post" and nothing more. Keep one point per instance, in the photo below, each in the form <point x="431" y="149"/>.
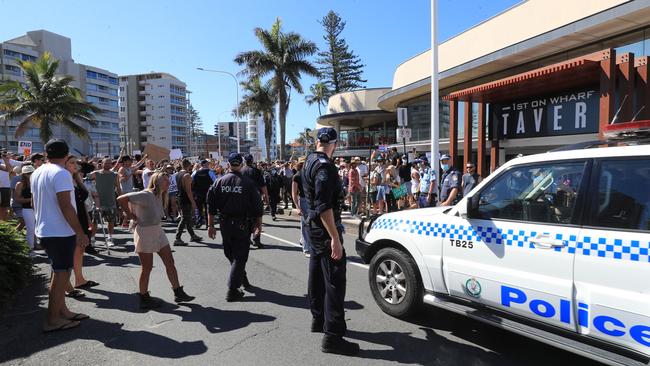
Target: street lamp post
<point x="237" y="106"/>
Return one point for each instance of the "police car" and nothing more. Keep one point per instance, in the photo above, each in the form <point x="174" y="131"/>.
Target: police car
<point x="553" y="246"/>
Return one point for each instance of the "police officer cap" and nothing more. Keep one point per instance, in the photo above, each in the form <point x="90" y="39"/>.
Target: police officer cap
<point x="235" y="159"/>
<point x="445" y="157"/>
<point x="327" y="135"/>
<point x="203" y="162"/>
<point x="249" y="158"/>
<point x="423" y="159"/>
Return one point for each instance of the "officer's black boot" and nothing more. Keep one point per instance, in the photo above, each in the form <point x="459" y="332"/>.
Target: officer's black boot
<point x="336" y="344"/>
<point x="247" y="285"/>
<point x="316" y="325"/>
<point x="234" y="295"/>
<point x="181" y="296"/>
<point x="147" y="302"/>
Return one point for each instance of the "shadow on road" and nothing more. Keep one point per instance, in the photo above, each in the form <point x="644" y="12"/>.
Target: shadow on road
<point x="213" y="319"/>
<point x="300" y="302"/>
<point x="21" y="331"/>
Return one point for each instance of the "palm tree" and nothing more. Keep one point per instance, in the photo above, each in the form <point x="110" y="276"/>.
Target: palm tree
<point x="46" y="100"/>
<point x="306" y="138"/>
<point x="319" y="93"/>
<point x="260" y="99"/>
<point x="283" y="55"/>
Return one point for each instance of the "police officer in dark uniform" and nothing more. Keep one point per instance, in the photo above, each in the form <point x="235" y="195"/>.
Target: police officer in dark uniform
<point x="450" y="189"/>
<point x="327" y="263"/>
<point x="237" y="200"/>
<point x="256" y="175"/>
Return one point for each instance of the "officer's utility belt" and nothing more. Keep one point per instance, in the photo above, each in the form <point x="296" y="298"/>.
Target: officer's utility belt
<point x="235" y="218"/>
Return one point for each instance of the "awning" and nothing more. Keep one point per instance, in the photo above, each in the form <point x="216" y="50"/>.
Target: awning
<point x="574" y="73"/>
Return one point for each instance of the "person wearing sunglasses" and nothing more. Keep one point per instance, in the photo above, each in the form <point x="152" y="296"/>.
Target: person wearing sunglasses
<point x="470" y="178"/>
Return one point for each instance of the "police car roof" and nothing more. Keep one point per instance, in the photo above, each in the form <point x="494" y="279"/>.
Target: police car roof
<point x="616" y="151"/>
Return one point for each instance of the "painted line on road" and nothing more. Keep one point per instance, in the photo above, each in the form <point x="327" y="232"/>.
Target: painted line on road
<point x="300" y="246"/>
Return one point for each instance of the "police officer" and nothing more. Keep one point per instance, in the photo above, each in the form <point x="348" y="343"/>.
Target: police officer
<point x="450" y="192"/>
<point x="323" y="191"/>
<point x="237" y="200"/>
<point x="256" y="175"/>
<point x="428" y="182"/>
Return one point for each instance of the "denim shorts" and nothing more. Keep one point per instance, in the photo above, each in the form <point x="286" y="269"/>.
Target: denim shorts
<point x="60" y="252"/>
<point x="382" y="191"/>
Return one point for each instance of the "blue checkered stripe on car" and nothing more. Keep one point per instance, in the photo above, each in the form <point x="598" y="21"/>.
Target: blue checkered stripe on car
<point x="624" y="249"/>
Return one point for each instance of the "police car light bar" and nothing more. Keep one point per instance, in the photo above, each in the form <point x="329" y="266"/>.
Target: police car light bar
<point x="628" y="129"/>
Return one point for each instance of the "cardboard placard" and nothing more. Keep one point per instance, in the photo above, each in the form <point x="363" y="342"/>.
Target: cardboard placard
<point x="156" y="153"/>
<point x="25" y="147"/>
<point x="175" y="154"/>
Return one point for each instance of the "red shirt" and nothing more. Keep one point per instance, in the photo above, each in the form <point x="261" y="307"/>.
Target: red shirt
<point x="353" y="178"/>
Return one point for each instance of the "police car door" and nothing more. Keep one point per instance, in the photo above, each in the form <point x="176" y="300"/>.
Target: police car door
<point x="512" y="251"/>
<point x="612" y="264"/>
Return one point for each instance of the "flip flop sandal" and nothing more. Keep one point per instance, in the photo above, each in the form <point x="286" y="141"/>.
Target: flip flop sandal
<point x="79" y="316"/>
<point x="88" y="284"/>
<point x="69" y="325"/>
<point x="75" y="294"/>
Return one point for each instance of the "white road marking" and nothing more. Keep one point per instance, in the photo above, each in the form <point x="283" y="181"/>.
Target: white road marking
<point x="300" y="246"/>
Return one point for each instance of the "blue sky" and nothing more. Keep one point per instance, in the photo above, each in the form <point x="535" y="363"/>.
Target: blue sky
<point x="138" y="36"/>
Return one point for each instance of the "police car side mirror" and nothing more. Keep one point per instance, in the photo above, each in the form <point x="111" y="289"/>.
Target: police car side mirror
<point x="468" y="210"/>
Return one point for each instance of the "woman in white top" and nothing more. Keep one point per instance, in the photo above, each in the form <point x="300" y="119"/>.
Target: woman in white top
<point x="145" y="208"/>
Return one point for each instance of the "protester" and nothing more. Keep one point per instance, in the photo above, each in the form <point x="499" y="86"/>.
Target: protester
<point x="147" y="172"/>
<point x="58" y="230"/>
<point x="171" y="208"/>
<point x="275" y="186"/>
<point x="5" y="183"/>
<point x="108" y="187"/>
<point x="202" y="179"/>
<point x="300" y="202"/>
<point x="354" y="188"/>
<point x="16" y="207"/>
<point x="186" y="204"/>
<point x="23" y="199"/>
<point x="286" y="173"/>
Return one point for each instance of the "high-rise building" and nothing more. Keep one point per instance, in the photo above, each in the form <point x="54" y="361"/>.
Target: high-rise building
<point x="153" y="109"/>
<point x="255" y="132"/>
<point x="98" y="86"/>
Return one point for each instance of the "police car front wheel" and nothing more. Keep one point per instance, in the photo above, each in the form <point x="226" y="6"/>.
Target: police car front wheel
<point x="395" y="283"/>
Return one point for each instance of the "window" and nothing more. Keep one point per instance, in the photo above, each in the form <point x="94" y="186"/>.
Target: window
<point x="623" y="195"/>
<point x="143" y="119"/>
<point x="537" y="193"/>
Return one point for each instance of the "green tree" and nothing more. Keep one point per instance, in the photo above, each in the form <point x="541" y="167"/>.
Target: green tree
<point x="284" y="57"/>
<point x="259" y="100"/>
<point x="319" y="95"/>
<point x="306" y="139"/>
<point x="46" y="100"/>
<point x="341" y="70"/>
<point x="195" y="123"/>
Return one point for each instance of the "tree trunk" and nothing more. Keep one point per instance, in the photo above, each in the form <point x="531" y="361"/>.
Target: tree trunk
<point x="319" y="113"/>
<point x="282" y="100"/>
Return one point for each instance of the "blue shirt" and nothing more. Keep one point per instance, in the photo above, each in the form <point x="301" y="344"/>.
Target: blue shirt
<point x="427" y="177"/>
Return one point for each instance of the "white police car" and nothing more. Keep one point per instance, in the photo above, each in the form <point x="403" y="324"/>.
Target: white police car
<point x="552" y="246"/>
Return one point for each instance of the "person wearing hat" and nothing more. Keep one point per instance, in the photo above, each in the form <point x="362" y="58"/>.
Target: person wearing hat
<point x="300" y="202"/>
<point x="428" y="183"/>
<point x="202" y="179"/>
<point x="256" y="175"/>
<point x="236" y="199"/>
<point x="23" y="197"/>
<point x="450" y="188"/>
<point x="327" y="263"/>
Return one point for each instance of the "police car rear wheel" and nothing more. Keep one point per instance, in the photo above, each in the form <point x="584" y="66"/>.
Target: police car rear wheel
<point x="395" y="283"/>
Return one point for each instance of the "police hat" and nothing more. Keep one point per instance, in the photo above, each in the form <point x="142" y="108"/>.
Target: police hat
<point x="235" y="159"/>
<point x="327" y="135"/>
<point x="445" y="157"/>
<point x="204" y="162"/>
<point x="423" y="159"/>
<point x="249" y="158"/>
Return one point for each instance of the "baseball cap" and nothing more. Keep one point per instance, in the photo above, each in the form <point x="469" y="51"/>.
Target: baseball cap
<point x="423" y="159"/>
<point x="56" y="149"/>
<point x="169" y="166"/>
<point x="235" y="159"/>
<point x="327" y="135"/>
<point x="203" y="162"/>
<point x="249" y="158"/>
<point x="379" y="158"/>
<point x="37" y="156"/>
<point x="445" y="157"/>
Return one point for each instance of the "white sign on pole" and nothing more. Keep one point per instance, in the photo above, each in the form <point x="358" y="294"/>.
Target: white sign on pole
<point x="175" y="154"/>
<point x="403" y="134"/>
<point x="402" y="117"/>
<point x="215" y="155"/>
<point x="25" y="147"/>
<point x="137" y="152"/>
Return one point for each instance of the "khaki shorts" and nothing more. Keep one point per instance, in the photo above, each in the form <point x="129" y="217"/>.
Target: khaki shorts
<point x="149" y="239"/>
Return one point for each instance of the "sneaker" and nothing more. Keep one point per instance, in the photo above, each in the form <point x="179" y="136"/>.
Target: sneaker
<point x="247" y="285"/>
<point x="91" y="250"/>
<point x="257" y="244"/>
<point x="196" y="239"/>
<point x="109" y="242"/>
<point x="317" y="325"/>
<point x="338" y="345"/>
<point x="234" y="295"/>
<point x="181" y="296"/>
<point x="179" y="243"/>
<point x="306" y="254"/>
<point x="274" y="218"/>
<point x="147" y="302"/>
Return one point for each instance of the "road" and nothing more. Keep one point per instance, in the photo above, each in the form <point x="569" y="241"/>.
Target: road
<point x="269" y="327"/>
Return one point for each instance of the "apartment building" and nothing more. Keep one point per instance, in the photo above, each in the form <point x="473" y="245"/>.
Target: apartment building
<point x="98" y="86"/>
<point x="153" y="109"/>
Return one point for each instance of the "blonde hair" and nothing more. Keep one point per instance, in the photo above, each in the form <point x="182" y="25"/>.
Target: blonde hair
<point x="154" y="186"/>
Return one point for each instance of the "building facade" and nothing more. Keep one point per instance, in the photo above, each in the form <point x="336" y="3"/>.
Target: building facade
<point x="98" y="86"/>
<point x="153" y="109"/>
<point x="256" y="132"/>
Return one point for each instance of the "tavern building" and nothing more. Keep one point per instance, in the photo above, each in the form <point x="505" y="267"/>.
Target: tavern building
<point x="540" y="75"/>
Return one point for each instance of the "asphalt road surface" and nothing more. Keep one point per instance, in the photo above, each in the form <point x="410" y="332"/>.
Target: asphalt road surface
<point x="269" y="327"/>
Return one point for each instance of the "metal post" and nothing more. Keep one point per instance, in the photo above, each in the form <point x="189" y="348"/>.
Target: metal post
<point x="435" y="117"/>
